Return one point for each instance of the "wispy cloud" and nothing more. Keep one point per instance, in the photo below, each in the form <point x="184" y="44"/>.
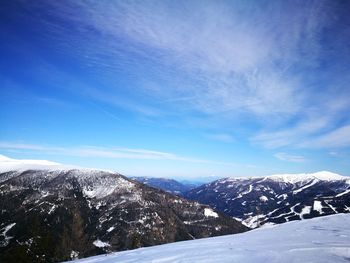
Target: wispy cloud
<point x="315" y="131"/>
<point x="231" y="59"/>
<point x="222" y="137"/>
<point x="226" y="68"/>
<point x="334" y="153"/>
<point x="103" y="152"/>
<point x="270" y="64"/>
<point x="338" y="138"/>
<point x="290" y="158"/>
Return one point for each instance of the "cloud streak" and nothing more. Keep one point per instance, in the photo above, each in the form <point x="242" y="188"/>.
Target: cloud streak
<point x="103" y="152"/>
<point x="274" y="74"/>
<point x="233" y="69"/>
<point x="221" y="137"/>
<point x="290" y="158"/>
<point x="338" y="138"/>
<point x="233" y="62"/>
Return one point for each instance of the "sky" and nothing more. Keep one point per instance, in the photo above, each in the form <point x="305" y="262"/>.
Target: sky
<point x="177" y="88"/>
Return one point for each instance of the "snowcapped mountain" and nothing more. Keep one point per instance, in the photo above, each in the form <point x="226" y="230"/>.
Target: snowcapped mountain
<point x="169" y="185"/>
<point x="324" y="239"/>
<point x="50" y="215"/>
<point x="277" y="198"/>
<point x="8" y="164"/>
<point x="297" y="178"/>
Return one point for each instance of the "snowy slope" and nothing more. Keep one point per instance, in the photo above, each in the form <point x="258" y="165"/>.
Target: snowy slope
<point x="324" y="239"/>
<point x="294" y="178"/>
<point x="277" y="198"/>
<point x="20" y="165"/>
<point x="297" y="178"/>
<point x="8" y="164"/>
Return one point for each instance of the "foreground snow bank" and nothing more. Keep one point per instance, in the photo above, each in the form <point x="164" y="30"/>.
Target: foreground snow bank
<point x="323" y="239"/>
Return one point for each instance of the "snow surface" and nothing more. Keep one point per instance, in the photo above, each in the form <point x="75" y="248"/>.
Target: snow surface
<point x="297" y="178"/>
<point x="210" y="213"/>
<point x="99" y="243"/>
<point x="99" y="192"/>
<point x="322" y="239"/>
<point x="305" y="186"/>
<point x="318" y="206"/>
<point x="110" y="229"/>
<point x="74" y="254"/>
<point x="263" y="198"/>
<point x="305" y="211"/>
<point x="343" y="193"/>
<point x="6" y="238"/>
<point x="253" y="221"/>
<point x="8" y="164"/>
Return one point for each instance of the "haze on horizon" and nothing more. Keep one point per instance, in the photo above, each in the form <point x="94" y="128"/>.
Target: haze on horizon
<point x="177" y="89"/>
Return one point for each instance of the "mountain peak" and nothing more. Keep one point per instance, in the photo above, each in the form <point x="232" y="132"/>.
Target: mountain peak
<point x="9" y="164"/>
<point x="294" y="178"/>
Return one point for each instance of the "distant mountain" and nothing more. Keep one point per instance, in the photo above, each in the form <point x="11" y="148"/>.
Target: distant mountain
<point x="323" y="239"/>
<point x="50" y="215"/>
<point x="192" y="183"/>
<point x="277" y="198"/>
<point x="169" y="185"/>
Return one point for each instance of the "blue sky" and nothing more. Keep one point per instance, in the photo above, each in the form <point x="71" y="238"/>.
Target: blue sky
<point x="177" y="88"/>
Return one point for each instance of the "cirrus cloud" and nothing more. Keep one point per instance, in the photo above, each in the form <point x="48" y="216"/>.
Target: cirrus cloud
<point x="290" y="158"/>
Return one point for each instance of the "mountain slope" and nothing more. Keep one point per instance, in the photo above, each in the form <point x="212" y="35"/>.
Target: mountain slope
<point x="321" y="240"/>
<point x="169" y="185"/>
<point x="277" y="198"/>
<point x="53" y="215"/>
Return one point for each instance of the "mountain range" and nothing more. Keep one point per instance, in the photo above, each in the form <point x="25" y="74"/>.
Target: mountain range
<point x="277" y="198"/>
<point x="51" y="213"/>
<point x="274" y="199"/>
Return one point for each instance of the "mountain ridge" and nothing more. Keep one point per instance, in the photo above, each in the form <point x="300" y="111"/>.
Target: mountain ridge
<point x="276" y="199"/>
<point x="54" y="215"/>
<point x="298" y="177"/>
